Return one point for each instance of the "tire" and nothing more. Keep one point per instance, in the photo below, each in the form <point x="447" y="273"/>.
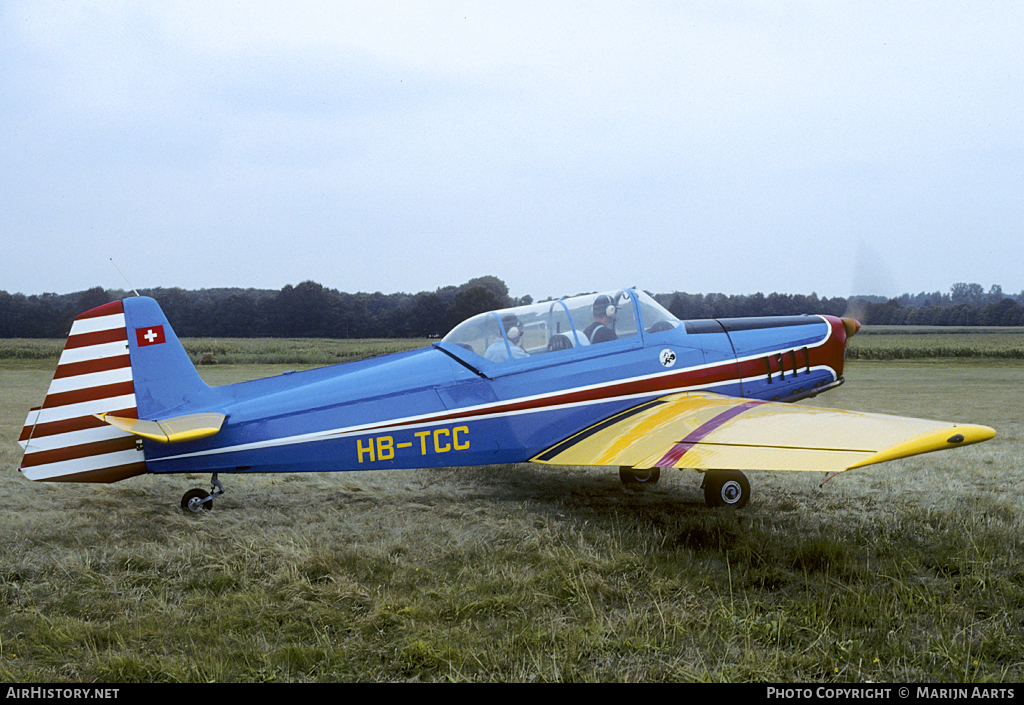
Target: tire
<point x="639" y="476"/>
<point x="726" y="488"/>
<point x="192" y="501"/>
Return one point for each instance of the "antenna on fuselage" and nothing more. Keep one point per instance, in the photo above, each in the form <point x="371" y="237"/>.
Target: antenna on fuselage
<point x="123" y="276"/>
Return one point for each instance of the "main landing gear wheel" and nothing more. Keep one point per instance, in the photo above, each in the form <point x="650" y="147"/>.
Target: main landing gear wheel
<point x="639" y="476"/>
<point x="726" y="488"/>
<point x="196" y="500"/>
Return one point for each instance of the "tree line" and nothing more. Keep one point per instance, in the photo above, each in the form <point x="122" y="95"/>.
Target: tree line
<point x="963" y="305"/>
<point x="310" y="310"/>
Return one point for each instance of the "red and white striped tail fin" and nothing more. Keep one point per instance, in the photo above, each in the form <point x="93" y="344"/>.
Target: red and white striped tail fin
<point x="62" y="439"/>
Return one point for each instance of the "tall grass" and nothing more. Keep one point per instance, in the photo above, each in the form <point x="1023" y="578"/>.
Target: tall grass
<point x="403" y="578"/>
<point x="890" y="343"/>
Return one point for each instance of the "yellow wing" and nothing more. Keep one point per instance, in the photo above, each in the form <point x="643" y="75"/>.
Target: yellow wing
<point x="707" y="431"/>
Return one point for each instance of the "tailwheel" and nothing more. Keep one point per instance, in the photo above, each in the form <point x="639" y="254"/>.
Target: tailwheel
<point x="196" y="500"/>
<point x="639" y="476"/>
<point x="726" y="488"/>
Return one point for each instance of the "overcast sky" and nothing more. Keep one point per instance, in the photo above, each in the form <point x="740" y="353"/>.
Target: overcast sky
<point x="735" y="147"/>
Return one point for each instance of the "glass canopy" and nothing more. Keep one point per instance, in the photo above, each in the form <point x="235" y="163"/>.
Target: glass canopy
<point x="565" y="324"/>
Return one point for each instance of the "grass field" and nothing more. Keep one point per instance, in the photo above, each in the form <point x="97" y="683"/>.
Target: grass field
<point x="906" y="572"/>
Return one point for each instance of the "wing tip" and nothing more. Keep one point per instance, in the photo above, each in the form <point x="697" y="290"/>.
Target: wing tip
<point x="941" y="439"/>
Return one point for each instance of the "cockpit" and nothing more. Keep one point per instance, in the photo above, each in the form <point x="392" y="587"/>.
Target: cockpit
<point x="564" y="324"/>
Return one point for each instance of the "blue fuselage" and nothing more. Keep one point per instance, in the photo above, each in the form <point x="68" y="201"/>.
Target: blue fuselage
<point x="446" y="406"/>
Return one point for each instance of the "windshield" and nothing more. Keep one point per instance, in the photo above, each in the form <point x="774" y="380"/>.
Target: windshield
<point x="656" y="319"/>
<point x="552" y="326"/>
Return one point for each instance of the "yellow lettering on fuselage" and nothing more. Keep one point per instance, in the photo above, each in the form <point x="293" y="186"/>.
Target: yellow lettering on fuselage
<point x="369" y="449"/>
<point x="440" y="440"/>
<point x="438" y="448"/>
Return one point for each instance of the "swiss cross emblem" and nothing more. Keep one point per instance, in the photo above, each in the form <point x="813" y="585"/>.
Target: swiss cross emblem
<point x="150" y="336"/>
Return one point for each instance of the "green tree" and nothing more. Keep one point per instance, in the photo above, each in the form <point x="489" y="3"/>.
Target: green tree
<point x="469" y="302"/>
<point x="495" y="285"/>
<point x="304" y="311"/>
<point x="427" y="315"/>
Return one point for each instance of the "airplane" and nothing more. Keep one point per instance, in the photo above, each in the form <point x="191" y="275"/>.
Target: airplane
<point x="605" y="379"/>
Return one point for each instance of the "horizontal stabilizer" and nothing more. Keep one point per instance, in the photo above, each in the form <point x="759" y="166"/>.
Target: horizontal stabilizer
<point x="707" y="431"/>
<point x="190" y="427"/>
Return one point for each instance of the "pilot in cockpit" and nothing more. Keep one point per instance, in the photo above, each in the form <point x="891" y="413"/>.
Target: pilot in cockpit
<point x="497" y="352"/>
<point x="602" y="329"/>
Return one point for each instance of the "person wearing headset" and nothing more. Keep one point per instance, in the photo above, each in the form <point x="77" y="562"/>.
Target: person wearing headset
<point x="603" y="328"/>
<point x="497" y="352"/>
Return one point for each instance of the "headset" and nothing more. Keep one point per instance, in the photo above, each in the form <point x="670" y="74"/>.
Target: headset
<point x="603" y="303"/>
<point x="515" y="330"/>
